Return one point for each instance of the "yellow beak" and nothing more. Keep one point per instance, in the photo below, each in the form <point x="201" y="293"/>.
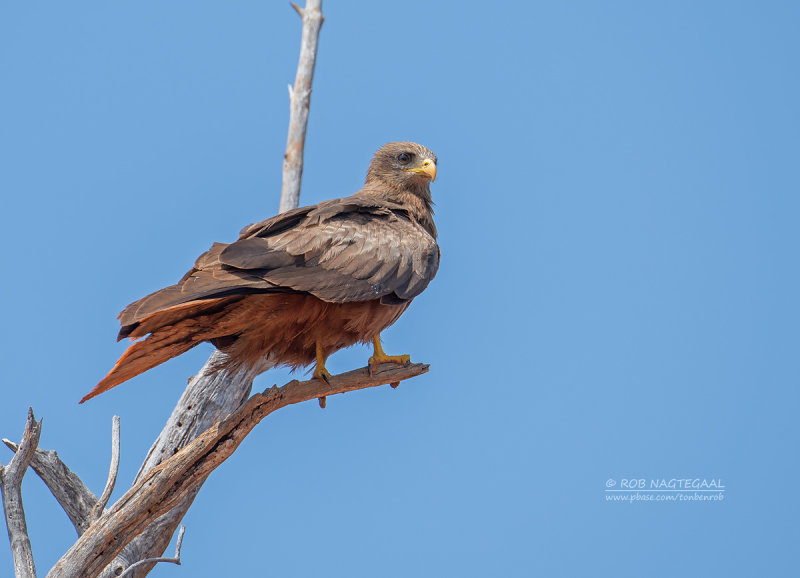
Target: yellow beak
<point x="427" y="168"/>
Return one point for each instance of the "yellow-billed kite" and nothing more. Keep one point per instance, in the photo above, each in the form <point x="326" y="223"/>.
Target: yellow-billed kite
<point x="299" y="286"/>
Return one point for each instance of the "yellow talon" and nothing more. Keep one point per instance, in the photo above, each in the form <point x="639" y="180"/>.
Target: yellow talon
<point x="322" y="374"/>
<point x="319" y="371"/>
<point x="379" y="357"/>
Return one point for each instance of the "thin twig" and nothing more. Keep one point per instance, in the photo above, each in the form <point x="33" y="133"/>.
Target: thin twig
<point x="98" y="508"/>
<point x="67" y="488"/>
<point x="299" y="104"/>
<point x="11" y="488"/>
<point x="174" y="560"/>
<point x="167" y="485"/>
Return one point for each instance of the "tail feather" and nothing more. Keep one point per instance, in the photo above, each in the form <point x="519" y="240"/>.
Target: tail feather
<point x="144" y="355"/>
<point x="171" y="332"/>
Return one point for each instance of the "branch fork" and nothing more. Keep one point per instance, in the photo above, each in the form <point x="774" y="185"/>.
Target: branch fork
<point x="11" y="489"/>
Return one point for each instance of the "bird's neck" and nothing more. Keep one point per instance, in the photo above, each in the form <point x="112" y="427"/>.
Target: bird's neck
<point x="417" y="200"/>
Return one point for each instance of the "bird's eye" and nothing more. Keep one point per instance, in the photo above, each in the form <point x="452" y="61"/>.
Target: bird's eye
<point x="404" y="157"/>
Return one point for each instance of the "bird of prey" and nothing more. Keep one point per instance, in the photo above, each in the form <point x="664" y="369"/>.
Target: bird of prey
<point x="299" y="286"/>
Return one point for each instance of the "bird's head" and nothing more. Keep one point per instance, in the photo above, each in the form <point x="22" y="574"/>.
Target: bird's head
<point x="406" y="166"/>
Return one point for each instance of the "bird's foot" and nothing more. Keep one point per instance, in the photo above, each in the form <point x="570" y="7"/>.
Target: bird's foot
<point x="321" y="373"/>
<point x="378" y="356"/>
<point x="377" y="359"/>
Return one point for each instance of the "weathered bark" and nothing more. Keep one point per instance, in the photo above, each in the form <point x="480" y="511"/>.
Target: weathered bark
<point x="67" y="488"/>
<point x="99" y="507"/>
<point x="151" y="561"/>
<point x="300" y="103"/>
<point x="209" y="398"/>
<point x="166" y="485"/>
<point x="11" y="489"/>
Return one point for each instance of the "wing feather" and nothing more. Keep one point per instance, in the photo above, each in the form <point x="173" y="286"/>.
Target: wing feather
<point x="343" y="250"/>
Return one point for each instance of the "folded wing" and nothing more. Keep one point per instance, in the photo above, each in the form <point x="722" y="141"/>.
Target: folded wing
<point x="339" y="251"/>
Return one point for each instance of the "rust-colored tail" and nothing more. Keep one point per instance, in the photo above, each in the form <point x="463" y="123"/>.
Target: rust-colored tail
<point x="171" y="332"/>
<point x="144" y="355"/>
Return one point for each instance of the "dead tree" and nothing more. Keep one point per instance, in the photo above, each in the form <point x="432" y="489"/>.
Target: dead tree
<point x="215" y="413"/>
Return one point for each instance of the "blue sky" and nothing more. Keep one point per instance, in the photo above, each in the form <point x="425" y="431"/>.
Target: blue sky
<point x="617" y="204"/>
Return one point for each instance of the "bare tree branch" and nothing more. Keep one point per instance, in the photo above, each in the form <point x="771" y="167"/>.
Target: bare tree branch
<point x="67" y="488"/>
<point x="11" y="488"/>
<point x="98" y="508"/>
<point x="211" y="396"/>
<point x="166" y="485"/>
<point x="175" y="560"/>
<point x="299" y="104"/>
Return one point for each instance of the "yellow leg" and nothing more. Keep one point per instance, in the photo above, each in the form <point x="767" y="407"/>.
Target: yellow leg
<point x="379" y="356"/>
<point x="320" y="371"/>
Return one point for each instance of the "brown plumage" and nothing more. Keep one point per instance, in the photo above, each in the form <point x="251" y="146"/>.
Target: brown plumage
<point x="303" y="284"/>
